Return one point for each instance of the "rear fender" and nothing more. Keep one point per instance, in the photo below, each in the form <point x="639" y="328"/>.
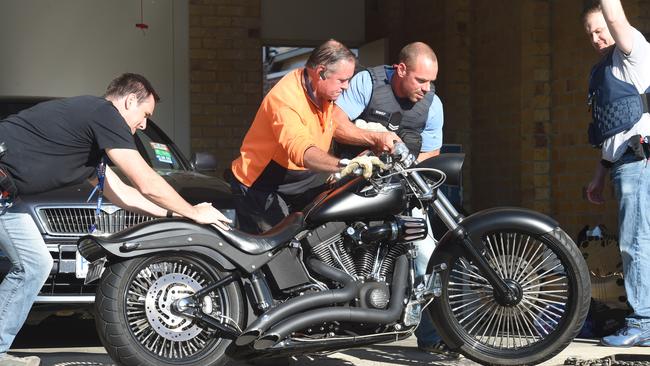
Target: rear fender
<point x="169" y="236"/>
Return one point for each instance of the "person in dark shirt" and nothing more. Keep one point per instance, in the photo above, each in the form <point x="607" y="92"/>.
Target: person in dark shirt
<point x="62" y="142"/>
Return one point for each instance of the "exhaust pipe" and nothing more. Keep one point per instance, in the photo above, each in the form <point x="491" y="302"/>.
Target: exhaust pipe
<point x="297" y="304"/>
<point x="344" y="314"/>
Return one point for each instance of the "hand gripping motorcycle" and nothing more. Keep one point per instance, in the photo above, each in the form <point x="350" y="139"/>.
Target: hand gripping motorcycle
<point x="504" y="286"/>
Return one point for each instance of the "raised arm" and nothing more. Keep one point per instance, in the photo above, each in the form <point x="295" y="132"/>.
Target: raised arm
<point x="618" y="26"/>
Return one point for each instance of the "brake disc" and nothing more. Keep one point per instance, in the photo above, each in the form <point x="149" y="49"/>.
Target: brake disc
<point x="158" y="305"/>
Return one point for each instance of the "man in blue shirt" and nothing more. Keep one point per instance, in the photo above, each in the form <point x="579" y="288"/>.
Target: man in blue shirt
<point x="401" y="98"/>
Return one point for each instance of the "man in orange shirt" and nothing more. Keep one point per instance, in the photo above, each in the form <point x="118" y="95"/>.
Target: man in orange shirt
<point x="284" y="156"/>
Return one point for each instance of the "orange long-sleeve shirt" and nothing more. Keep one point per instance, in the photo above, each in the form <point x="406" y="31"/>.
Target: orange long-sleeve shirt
<point x="287" y="123"/>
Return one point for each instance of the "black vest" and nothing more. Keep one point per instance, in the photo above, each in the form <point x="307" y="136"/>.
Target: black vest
<point x="616" y="105"/>
<point x="405" y="118"/>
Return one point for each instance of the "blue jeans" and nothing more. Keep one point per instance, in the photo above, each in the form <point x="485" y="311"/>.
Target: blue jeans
<point x="425" y="333"/>
<point x="22" y="243"/>
<point x="631" y="180"/>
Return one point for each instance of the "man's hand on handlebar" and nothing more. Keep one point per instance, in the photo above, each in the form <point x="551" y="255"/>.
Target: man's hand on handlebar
<point x="363" y="163"/>
<point x="385" y="141"/>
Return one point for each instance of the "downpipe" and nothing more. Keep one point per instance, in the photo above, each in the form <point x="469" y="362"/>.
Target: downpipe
<point x="295" y="305"/>
<point x="291" y="347"/>
<point x="344" y="314"/>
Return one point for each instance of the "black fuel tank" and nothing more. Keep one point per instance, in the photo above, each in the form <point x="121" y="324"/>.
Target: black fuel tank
<point x="347" y="203"/>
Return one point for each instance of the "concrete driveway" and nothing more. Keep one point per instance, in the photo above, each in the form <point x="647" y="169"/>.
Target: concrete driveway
<point x="69" y="342"/>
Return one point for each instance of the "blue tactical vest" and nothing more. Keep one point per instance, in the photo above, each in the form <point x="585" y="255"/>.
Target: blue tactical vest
<point x="405" y="118"/>
<point x="615" y="104"/>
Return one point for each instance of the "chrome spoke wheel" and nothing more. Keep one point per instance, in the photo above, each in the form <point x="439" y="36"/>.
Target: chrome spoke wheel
<point x="524" y="262"/>
<point x="149" y="300"/>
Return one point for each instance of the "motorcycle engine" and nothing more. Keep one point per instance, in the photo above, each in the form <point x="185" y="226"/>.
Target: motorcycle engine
<point x="366" y="250"/>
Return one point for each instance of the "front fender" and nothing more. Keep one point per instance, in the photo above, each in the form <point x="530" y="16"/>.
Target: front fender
<point x="170" y="235"/>
<point x="475" y="225"/>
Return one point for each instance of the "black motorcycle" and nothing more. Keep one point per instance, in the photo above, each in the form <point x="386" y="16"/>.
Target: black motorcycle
<point x="504" y="286"/>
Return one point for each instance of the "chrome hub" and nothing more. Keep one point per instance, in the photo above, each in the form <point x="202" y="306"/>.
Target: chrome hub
<point x="162" y="294"/>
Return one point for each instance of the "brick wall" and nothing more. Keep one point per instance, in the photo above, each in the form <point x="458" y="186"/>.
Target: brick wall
<point x="496" y="104"/>
<point x="511" y="104"/>
<point x="226" y="74"/>
<point x="385" y="19"/>
<point x="455" y="77"/>
<point x="536" y="106"/>
<point x="573" y="159"/>
<point x="643" y="17"/>
<point x="445" y="26"/>
<point x="513" y="79"/>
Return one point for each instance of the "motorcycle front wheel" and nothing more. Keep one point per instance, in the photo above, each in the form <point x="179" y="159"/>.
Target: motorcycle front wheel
<point x="551" y="280"/>
<point x="134" y="318"/>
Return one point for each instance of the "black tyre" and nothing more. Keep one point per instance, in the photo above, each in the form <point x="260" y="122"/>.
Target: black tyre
<point x="552" y="279"/>
<point x="134" y="320"/>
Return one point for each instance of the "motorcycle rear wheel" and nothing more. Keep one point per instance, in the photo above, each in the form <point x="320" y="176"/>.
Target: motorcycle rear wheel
<point x="133" y="316"/>
<point x="554" y="286"/>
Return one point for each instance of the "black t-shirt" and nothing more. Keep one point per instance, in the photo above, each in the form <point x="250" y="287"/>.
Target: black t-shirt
<point x="60" y="142"/>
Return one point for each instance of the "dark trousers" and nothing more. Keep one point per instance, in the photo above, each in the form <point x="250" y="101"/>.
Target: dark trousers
<point x="258" y="211"/>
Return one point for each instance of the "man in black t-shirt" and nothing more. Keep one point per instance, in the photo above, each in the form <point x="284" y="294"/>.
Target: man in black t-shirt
<point x="61" y="142"/>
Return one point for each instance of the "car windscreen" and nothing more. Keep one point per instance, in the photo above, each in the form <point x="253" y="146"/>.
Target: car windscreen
<point x="158" y="153"/>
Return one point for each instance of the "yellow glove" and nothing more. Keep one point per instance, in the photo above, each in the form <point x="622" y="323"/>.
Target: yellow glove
<point x="365" y="163"/>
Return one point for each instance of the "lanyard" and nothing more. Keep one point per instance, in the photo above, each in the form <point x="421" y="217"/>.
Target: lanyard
<point x="99" y="189"/>
<point x="5" y="203"/>
<point x="6" y="196"/>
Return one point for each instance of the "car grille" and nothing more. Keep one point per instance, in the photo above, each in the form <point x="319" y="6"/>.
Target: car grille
<point x="77" y="221"/>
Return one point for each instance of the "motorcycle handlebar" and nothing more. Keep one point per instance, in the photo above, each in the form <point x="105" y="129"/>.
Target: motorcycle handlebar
<point x="404" y="156"/>
<point x="400" y="151"/>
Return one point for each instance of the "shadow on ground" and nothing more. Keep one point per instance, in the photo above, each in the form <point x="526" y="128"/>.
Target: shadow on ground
<point x="372" y="355"/>
<point x="58" y="332"/>
<point x="62" y="332"/>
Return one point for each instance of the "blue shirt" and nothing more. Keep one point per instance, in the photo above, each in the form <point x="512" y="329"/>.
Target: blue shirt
<point x="356" y="98"/>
